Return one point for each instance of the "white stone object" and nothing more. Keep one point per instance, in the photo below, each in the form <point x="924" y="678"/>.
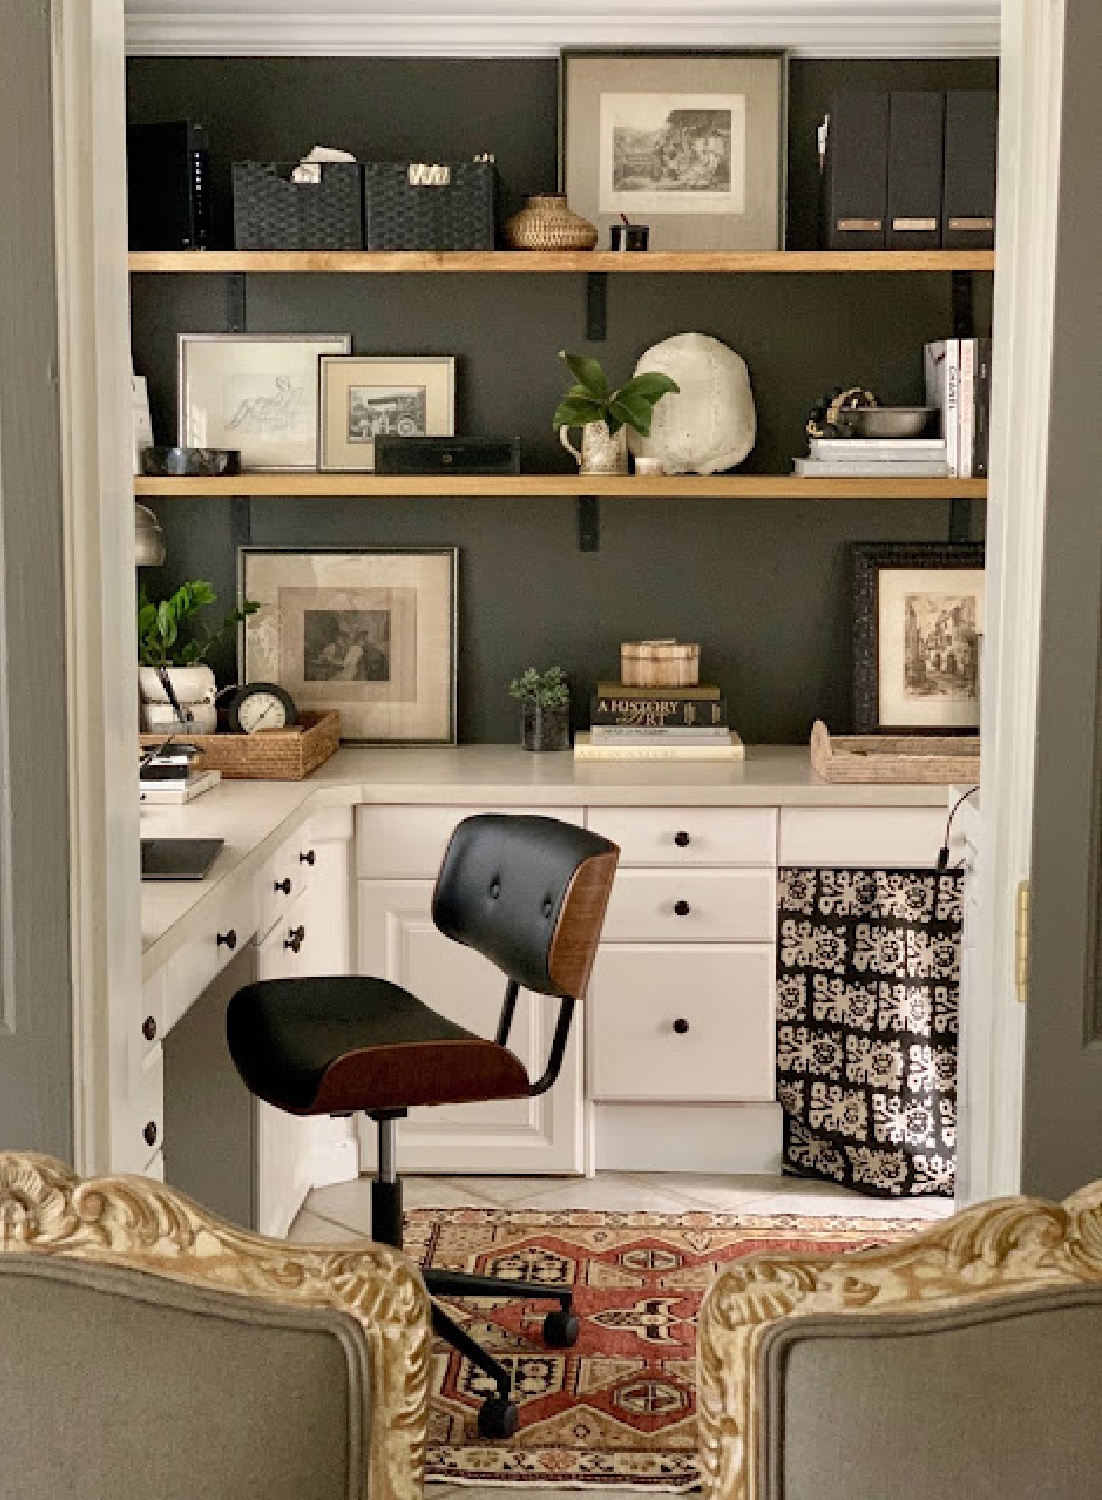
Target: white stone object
<point x="710" y="424"/>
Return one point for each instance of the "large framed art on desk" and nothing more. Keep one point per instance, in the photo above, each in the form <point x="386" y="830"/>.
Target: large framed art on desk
<point x="369" y="632"/>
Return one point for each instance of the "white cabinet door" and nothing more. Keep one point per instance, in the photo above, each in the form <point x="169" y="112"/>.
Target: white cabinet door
<point x="282" y="1140"/>
<point x="398" y="941"/>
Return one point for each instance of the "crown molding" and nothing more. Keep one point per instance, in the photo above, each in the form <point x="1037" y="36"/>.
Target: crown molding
<point x="539" y="28"/>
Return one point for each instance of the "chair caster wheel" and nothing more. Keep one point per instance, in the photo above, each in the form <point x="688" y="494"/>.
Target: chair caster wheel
<point x="498" y="1418"/>
<point x="561" y="1329"/>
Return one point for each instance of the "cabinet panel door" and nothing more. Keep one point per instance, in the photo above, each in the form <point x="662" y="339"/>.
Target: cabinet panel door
<point x="398" y="941"/>
<point x="282" y="1140"/>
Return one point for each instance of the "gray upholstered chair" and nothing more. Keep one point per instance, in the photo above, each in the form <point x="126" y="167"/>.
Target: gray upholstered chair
<point x="149" y="1350"/>
<point x="964" y="1362"/>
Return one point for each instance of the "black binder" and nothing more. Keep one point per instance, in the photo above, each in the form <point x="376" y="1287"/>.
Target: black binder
<point x="916" y="143"/>
<point x="855" y="186"/>
<point x="971" y="147"/>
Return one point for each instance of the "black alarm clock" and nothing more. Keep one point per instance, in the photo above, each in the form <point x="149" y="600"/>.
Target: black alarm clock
<point x="260" y="705"/>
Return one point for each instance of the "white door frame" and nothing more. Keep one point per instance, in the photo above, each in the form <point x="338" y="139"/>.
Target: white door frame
<point x="1031" y="86"/>
<point x="97" y="449"/>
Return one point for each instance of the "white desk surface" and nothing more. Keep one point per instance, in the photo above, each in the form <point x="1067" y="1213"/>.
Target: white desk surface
<point x="255" y="816"/>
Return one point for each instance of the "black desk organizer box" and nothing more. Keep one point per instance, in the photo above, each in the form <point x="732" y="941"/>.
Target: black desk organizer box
<point x="270" y="212"/>
<point x="407" y="208"/>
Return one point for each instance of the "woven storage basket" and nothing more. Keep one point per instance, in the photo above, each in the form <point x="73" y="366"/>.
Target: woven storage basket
<point x="269" y="754"/>
<point x="916" y="759"/>
<point x="270" y="212"/>
<point x="659" y="663"/>
<point x="410" y="206"/>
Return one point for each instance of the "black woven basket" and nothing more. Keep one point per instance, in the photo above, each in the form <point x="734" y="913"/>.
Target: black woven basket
<point x="418" y="206"/>
<point x="270" y="212"/>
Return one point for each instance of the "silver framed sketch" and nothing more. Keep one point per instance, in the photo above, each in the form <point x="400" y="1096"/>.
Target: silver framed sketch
<point x="692" y="143"/>
<point x="368" y="396"/>
<point x="369" y="632"/>
<point x="917" y="629"/>
<point x="257" y="392"/>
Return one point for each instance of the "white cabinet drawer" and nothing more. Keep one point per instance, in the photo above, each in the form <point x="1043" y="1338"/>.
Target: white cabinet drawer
<point x="692" y="906"/>
<point x="283" y="879"/>
<point x="838" y="836"/>
<point x="146" y="1114"/>
<point x="227" y="927"/>
<point x="146" y="1033"/>
<point x="408" y="843"/>
<point x="671" y="1023"/>
<point x="677" y="836"/>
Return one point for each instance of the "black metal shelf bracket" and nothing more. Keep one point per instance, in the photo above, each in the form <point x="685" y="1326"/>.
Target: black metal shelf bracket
<point x="235" y="302"/>
<point x="589" y="523"/>
<point x="596" y="306"/>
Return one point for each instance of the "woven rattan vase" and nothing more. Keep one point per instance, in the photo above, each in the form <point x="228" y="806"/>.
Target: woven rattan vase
<point x="546" y="223"/>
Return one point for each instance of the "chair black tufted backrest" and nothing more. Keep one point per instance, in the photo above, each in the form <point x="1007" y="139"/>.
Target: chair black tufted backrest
<point x="528" y="893"/>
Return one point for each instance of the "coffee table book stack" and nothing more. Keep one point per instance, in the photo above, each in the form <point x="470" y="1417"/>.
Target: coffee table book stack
<point x="635" y="721"/>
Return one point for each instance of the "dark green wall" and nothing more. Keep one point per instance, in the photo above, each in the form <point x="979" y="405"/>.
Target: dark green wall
<point x="762" y="585"/>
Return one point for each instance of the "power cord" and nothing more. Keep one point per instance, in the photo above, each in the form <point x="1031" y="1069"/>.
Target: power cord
<point x="943" y="852"/>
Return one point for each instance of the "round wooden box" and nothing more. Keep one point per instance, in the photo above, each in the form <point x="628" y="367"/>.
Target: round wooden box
<point x="659" y="663"/>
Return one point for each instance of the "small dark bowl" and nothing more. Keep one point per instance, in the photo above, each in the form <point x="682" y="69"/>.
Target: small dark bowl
<point x="191" y="463"/>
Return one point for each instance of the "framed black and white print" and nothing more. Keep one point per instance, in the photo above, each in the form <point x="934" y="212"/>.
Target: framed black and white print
<point x="366" y="631"/>
<point x="257" y="392"/>
<point x="692" y="143"/>
<point x="918" y="612"/>
<point x="364" y="397"/>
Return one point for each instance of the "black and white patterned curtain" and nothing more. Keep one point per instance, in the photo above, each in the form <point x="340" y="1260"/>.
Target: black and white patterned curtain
<point x="868" y="980"/>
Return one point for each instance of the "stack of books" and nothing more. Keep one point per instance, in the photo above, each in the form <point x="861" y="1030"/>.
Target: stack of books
<point x="958" y="383"/>
<point x="171" y="775"/>
<point x="658" y="723"/>
<point x="875" y="458"/>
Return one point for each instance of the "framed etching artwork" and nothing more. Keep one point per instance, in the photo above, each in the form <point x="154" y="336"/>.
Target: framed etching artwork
<point x="691" y="143"/>
<point x="917" y="633"/>
<point x="257" y="392"/>
<point x="365" y="397"/>
<point x="368" y="632"/>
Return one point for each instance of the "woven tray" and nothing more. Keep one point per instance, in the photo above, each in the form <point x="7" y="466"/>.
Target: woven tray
<point x="929" y="760"/>
<point x="269" y="754"/>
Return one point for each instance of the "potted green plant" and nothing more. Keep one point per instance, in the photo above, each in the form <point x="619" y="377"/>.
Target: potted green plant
<point x="545" y="703"/>
<point x="604" y="414"/>
<point x="172" y="652"/>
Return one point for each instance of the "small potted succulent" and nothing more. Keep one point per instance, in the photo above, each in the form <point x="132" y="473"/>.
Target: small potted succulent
<point x="545" y="700"/>
<point x="168" y="660"/>
<point x="604" y="414"/>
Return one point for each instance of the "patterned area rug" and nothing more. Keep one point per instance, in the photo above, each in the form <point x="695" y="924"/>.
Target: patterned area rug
<point x="619" y="1409"/>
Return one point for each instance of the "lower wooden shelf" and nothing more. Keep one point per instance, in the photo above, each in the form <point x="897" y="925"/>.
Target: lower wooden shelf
<point x="309" y="484"/>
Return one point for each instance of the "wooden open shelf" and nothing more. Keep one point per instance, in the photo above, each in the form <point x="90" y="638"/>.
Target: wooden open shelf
<point x="359" y="262"/>
<point x="307" y="483"/>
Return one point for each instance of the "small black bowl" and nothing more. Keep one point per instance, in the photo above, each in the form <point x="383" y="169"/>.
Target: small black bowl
<point x="191" y="463"/>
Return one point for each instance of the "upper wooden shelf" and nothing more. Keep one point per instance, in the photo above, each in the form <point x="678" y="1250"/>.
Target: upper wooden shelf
<point x="305" y="482"/>
<point x="358" y="262"/>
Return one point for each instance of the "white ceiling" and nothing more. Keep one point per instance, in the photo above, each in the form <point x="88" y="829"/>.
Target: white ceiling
<point x="538" y="28"/>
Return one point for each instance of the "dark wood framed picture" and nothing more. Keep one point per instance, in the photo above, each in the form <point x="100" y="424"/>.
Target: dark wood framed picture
<point x="691" y="142"/>
<point x="917" y="636"/>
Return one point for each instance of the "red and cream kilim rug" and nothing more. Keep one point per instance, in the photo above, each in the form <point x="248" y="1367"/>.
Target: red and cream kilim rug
<point x="619" y="1409"/>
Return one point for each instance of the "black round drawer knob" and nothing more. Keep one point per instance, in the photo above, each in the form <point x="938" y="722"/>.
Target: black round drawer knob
<point x="681" y="1026"/>
<point x="149" y="1029"/>
<point x="149" y="1134"/>
<point x="295" y="939"/>
<point x="229" y="939"/>
<point x="682" y="839"/>
<point x="284" y="886"/>
<point x="682" y="908"/>
<point x="309" y="858"/>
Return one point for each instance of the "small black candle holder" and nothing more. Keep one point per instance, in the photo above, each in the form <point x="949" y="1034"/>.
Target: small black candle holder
<point x="628" y="236"/>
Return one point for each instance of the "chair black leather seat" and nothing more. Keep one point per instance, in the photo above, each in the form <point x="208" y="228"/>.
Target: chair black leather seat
<point x="311" y="1048"/>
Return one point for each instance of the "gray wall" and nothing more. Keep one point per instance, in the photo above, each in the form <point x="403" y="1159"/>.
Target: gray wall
<point x="762" y="585"/>
<point x="35" y="1004"/>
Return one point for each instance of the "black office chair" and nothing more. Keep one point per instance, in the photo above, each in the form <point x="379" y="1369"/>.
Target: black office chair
<point x="529" y="894"/>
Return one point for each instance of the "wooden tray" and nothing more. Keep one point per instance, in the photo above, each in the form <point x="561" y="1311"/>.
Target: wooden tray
<point x="269" y="754"/>
<point x="929" y="760"/>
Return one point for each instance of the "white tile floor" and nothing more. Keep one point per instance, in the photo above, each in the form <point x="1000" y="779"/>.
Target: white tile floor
<point x="344" y="1212"/>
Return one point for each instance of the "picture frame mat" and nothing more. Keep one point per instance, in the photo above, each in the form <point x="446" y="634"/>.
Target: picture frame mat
<point x="337" y="377"/>
<point x="416" y="702"/>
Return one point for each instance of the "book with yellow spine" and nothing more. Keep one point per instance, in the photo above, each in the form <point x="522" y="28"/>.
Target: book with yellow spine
<point x="721" y="750"/>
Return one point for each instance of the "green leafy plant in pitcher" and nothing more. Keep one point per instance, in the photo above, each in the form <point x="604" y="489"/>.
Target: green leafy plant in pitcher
<point x="604" y="414"/>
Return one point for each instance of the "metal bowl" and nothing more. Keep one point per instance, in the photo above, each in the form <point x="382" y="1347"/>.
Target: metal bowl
<point x="887" y="421"/>
<point x="208" y="463"/>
